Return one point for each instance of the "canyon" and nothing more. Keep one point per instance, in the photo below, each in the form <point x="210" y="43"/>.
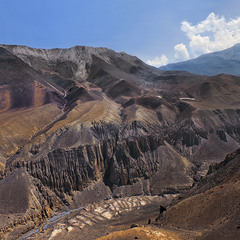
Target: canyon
<point x="84" y="126"/>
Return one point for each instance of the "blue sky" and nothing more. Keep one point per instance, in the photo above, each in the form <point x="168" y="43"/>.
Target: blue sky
<point x="148" y="29"/>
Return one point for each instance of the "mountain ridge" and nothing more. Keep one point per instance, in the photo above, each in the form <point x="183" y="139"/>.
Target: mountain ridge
<point x="222" y="62"/>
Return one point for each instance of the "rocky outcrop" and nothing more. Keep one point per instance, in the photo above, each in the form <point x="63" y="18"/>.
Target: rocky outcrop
<point x="118" y="162"/>
<point x="203" y="135"/>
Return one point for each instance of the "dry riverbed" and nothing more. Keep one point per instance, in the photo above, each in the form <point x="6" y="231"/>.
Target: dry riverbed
<point x="102" y="218"/>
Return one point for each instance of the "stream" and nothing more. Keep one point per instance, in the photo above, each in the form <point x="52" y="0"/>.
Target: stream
<point x="49" y="223"/>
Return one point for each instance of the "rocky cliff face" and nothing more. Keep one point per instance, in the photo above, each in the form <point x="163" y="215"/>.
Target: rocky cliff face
<point x="93" y="117"/>
<point x="117" y="160"/>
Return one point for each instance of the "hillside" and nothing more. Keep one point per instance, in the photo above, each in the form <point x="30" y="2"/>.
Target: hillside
<point x="212" y="206"/>
<point x="90" y="118"/>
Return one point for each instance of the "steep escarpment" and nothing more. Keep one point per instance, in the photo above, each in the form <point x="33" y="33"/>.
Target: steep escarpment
<point x="202" y="136"/>
<point x="20" y="85"/>
<point x="117" y="161"/>
<point x="23" y="205"/>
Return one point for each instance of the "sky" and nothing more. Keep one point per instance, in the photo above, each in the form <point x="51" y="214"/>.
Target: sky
<point x="156" y="31"/>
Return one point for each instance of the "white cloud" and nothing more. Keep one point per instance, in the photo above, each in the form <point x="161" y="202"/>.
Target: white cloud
<point x="215" y="33"/>
<point x="212" y="34"/>
<point x="158" y="61"/>
<point x="181" y="52"/>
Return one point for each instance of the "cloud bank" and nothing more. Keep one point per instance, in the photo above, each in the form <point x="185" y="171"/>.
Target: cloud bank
<point x="181" y="52"/>
<point x="215" y="33"/>
<point x="212" y="34"/>
<point x="158" y="61"/>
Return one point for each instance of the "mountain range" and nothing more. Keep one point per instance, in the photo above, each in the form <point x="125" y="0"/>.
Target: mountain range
<point x="84" y="125"/>
<point x="222" y="62"/>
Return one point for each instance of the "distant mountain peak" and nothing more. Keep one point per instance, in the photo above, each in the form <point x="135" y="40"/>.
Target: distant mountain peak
<point x="221" y="62"/>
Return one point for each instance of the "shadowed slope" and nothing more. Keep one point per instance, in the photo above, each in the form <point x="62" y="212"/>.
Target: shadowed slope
<point x="214" y="208"/>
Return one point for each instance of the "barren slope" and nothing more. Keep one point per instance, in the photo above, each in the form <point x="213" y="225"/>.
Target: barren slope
<point x="80" y="117"/>
<point x="212" y="206"/>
